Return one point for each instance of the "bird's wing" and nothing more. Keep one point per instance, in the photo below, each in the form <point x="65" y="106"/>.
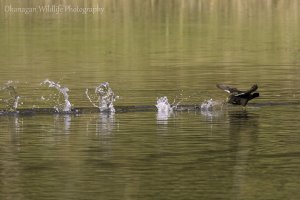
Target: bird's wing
<point x="248" y="92"/>
<point x="228" y="89"/>
<point x="252" y="89"/>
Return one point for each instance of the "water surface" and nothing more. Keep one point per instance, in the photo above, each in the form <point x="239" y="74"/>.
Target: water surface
<point x="145" y="50"/>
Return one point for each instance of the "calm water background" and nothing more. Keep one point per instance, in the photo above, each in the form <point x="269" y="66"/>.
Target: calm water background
<point x="148" y="49"/>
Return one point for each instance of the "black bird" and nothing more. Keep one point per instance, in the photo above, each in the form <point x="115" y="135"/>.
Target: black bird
<point x="238" y="97"/>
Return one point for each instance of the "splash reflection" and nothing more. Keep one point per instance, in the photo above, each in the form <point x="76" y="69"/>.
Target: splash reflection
<point x="105" y="124"/>
<point x="62" y="123"/>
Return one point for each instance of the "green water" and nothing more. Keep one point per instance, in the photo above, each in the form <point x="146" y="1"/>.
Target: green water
<point x="148" y="49"/>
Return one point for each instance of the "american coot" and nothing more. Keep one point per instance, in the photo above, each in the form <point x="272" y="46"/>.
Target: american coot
<point x="238" y="97"/>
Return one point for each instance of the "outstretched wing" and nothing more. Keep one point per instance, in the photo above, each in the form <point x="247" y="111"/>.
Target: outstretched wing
<point x="252" y="89"/>
<point x="228" y="89"/>
<point x="248" y="92"/>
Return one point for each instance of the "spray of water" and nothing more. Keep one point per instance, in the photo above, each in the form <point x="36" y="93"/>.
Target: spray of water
<point x="12" y="101"/>
<point x="164" y="109"/>
<point x="105" y="97"/>
<point x="211" y="108"/>
<point x="163" y="105"/>
<point x="66" y="105"/>
<point x="208" y="105"/>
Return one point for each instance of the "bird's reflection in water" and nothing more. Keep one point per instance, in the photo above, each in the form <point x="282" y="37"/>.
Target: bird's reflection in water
<point x="243" y="134"/>
<point x="243" y="123"/>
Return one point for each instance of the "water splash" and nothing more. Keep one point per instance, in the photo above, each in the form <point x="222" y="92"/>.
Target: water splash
<point x="163" y="105"/>
<point x="12" y="101"/>
<point x="208" y="105"/>
<point x="105" y="97"/>
<point x="211" y="108"/>
<point x="164" y="109"/>
<point x="60" y="107"/>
